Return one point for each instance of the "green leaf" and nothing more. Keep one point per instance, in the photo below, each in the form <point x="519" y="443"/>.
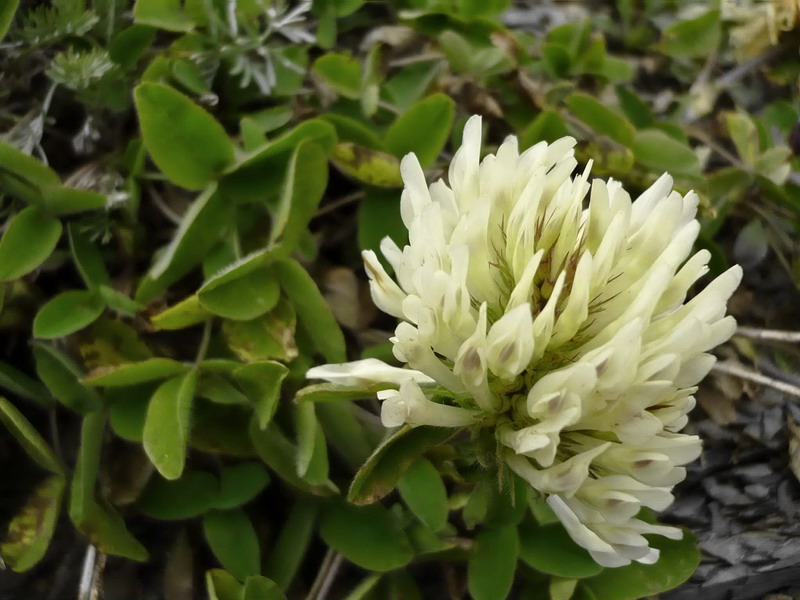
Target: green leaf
<point x="278" y="453"/>
<point x="67" y="313"/>
<point x="133" y="373"/>
<point x="240" y="483"/>
<point x="22" y="175"/>
<point x="556" y="60"/>
<point x="191" y="495"/>
<point x="677" y="563"/>
<point x="549" y="549"/>
<point x="64" y="200"/>
<point x="25" y="433"/>
<point x="352" y="130"/>
<point x="84" y="477"/>
<point x="306" y="426"/>
<point x="185" y="141"/>
<point x="422" y="489"/>
<point x="562" y="589"/>
<point x="656" y="150"/>
<point x="548" y="126"/>
<point x="163" y="14"/>
<point x="369" y="536"/>
<point x="7" y="11"/>
<point x="292" y="542"/>
<point x="261" y="588"/>
<point x="221" y="585"/>
<point x="130" y="44"/>
<point x="507" y="504"/>
<point x="386" y="466"/>
<point x="29" y="238"/>
<point x="184" y="314"/>
<point x="166" y="427"/>
<point x="267" y="337"/>
<point x="316" y="473"/>
<point x="696" y="37"/>
<point x="312" y="310"/>
<point x="341" y="71"/>
<point x="371" y="79"/>
<point x="367" y="165"/>
<point x="62" y="377"/>
<point x="423" y="129"/>
<point x="243" y="298"/>
<point x="744" y="135"/>
<point x="272" y="118"/>
<point x="96" y="519"/>
<point x="378" y="217"/>
<point x="189" y="77"/>
<point x="30" y="530"/>
<point x="411" y="82"/>
<point x="636" y="109"/>
<point x="260" y="175"/>
<point x="17" y="382"/>
<point x="233" y="541"/>
<point x="127" y="409"/>
<point x="425" y="541"/>
<point x="305" y="183"/>
<point x="119" y="302"/>
<point x="601" y="118"/>
<point x="202" y="225"/>
<point x="290" y="62"/>
<point x="345" y="433"/>
<point x="490" y="571"/>
<point x="261" y="381"/>
<point x="217" y="388"/>
<point x="87" y="258"/>
<point x="333" y="392"/>
<point x="106" y="529"/>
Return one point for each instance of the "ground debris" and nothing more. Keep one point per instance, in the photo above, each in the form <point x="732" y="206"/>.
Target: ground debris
<point x="741" y="501"/>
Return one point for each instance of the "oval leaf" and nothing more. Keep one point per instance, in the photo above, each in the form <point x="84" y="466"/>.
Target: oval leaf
<point x="67" y="313"/>
<point x="383" y="469"/>
<point x="423" y="129"/>
<point x="656" y="150"/>
<point x="261" y="381"/>
<point x="549" y="549"/>
<point x="31" y="529"/>
<point x="423" y="491"/>
<point x="166" y="426"/>
<point x="29" y="239"/>
<point x="184" y="314"/>
<point x="201" y="226"/>
<point x="62" y="378"/>
<point x="239" y="484"/>
<point x="490" y="571"/>
<point x="243" y="298"/>
<point x="369" y="536"/>
<point x="185" y="141"/>
<point x="601" y="118"/>
<point x="367" y="165"/>
<point x="64" y="200"/>
<point x="191" y="495"/>
<point x="233" y="540"/>
<point x="25" y="433"/>
<point x="678" y="561"/>
<point x="312" y="310"/>
<point x="151" y="369"/>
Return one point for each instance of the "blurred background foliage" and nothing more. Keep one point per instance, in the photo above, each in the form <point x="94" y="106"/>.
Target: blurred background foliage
<point x="186" y="186"/>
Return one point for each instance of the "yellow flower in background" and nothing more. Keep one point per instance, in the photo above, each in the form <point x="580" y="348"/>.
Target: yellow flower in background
<point x="560" y="324"/>
<point x="757" y="24"/>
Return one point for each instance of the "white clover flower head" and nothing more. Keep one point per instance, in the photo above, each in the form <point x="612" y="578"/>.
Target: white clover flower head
<point x="560" y="323"/>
